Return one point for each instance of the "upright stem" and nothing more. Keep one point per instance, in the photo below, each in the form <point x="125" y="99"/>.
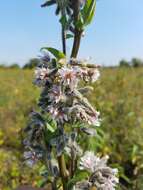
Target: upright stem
<point x="64" y="40"/>
<point x="78" y="33"/>
<point x="76" y="44"/>
<point x="54" y="185"/>
<point x="72" y="163"/>
<point x="63" y="171"/>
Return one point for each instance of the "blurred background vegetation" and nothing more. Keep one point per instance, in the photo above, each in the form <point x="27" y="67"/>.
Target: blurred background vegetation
<point x="119" y="97"/>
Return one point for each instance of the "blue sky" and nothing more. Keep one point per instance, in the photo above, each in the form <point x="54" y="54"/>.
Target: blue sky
<point x="116" y="33"/>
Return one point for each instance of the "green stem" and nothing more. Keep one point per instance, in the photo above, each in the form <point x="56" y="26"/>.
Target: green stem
<point x="78" y="33"/>
<point x="72" y="164"/>
<point x="63" y="171"/>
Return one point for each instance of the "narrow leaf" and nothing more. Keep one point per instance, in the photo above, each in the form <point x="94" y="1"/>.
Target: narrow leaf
<point x="64" y="21"/>
<point x="88" y="11"/>
<point x="58" y="54"/>
<point x="50" y="128"/>
<point x="68" y="36"/>
<point x="48" y="3"/>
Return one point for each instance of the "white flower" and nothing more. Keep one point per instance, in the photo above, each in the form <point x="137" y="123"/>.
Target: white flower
<point x="69" y="76"/>
<point x="91" y="162"/>
<point x="107" y="182"/>
<point x="93" y="119"/>
<point x="53" y="111"/>
<point x="83" y="114"/>
<point x="88" y="161"/>
<point x="103" y="177"/>
<point x="90" y="74"/>
<point x="41" y="73"/>
<point x="95" y="74"/>
<point x="58" y="114"/>
<point x="56" y="94"/>
<point x="30" y="158"/>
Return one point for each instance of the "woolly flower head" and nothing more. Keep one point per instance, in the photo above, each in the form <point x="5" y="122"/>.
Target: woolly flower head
<point x="89" y="161"/>
<point x="41" y="73"/>
<point x="90" y="74"/>
<point x="56" y="95"/>
<point x="60" y="87"/>
<point x="31" y="157"/>
<point x="69" y="76"/>
<point x="95" y="74"/>
<point x="103" y="177"/>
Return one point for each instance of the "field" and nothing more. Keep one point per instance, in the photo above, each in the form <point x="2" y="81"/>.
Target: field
<point x="119" y="97"/>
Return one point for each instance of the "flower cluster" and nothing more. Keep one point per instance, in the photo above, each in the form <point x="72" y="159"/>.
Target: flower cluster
<point x="63" y="104"/>
<point x="102" y="176"/>
<point x="60" y="92"/>
<point x="62" y="101"/>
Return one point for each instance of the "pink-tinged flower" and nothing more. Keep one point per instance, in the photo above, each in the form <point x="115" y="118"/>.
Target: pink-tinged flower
<point x="58" y="114"/>
<point x="102" y="176"/>
<point x="89" y="161"/>
<point x="41" y="73"/>
<point x="109" y="184"/>
<point x="53" y="111"/>
<point x="84" y="114"/>
<point x="90" y="74"/>
<point x="69" y="76"/>
<point x="94" y="74"/>
<point x="56" y="94"/>
<point x="93" y="119"/>
<point x="30" y="158"/>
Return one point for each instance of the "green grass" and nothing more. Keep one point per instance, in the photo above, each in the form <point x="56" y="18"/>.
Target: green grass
<point x="119" y="97"/>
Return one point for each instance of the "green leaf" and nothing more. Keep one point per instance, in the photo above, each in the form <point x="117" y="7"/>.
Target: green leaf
<point x="48" y="3"/>
<point x="42" y="183"/>
<point x="88" y="11"/>
<point x="64" y="21"/>
<point x="80" y="22"/>
<point x="50" y="128"/>
<point x="126" y="178"/>
<point x="90" y="18"/>
<point x="58" y="54"/>
<point x="68" y="36"/>
<point x="79" y="176"/>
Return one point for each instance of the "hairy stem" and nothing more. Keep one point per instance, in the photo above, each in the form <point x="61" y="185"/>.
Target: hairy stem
<point x="63" y="171"/>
